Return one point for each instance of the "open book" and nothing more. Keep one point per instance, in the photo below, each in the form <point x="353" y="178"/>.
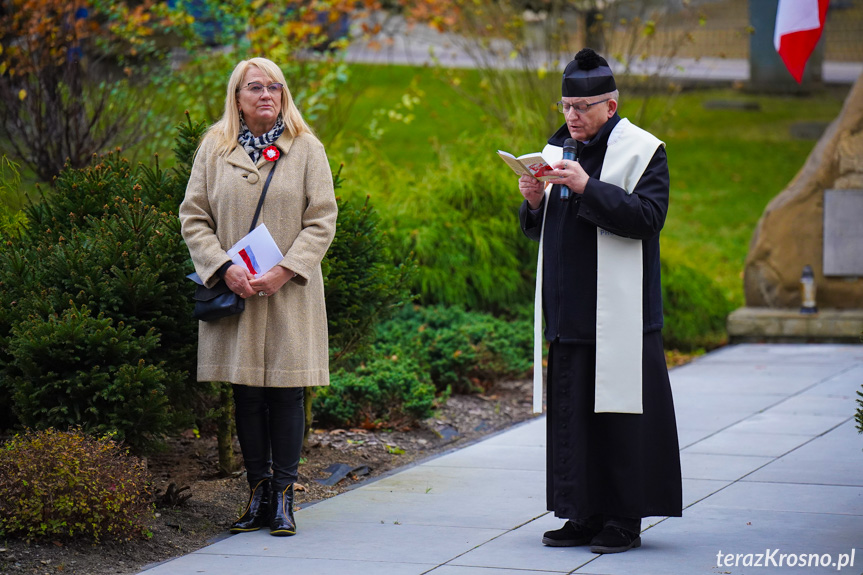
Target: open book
<point x="528" y="164"/>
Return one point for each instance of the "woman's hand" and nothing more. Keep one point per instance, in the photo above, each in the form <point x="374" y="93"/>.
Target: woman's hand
<point x="272" y="281"/>
<point x="532" y="190"/>
<point x="237" y="279"/>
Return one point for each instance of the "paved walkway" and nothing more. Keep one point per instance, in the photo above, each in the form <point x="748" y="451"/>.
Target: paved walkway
<point x="772" y="465"/>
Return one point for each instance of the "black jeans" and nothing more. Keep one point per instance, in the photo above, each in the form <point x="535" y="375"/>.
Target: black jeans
<point x="270" y="422"/>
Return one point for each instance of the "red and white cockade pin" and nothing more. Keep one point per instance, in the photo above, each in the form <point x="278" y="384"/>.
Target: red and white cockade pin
<point x="271" y="154"/>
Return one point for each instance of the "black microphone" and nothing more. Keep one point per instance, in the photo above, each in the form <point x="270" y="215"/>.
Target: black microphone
<point x="568" y="154"/>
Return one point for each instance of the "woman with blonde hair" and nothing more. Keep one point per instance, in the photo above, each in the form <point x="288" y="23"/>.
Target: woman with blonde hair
<point x="278" y="344"/>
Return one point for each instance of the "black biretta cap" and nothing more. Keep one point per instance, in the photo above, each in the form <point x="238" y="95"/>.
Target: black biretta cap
<point x="587" y="75"/>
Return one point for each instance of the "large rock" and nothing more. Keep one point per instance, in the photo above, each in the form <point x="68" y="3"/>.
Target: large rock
<point x="789" y="234"/>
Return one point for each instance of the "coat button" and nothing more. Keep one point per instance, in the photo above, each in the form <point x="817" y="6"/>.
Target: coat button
<point x="252" y="178"/>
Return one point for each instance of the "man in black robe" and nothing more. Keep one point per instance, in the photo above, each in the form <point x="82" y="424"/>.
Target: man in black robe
<point x="605" y="471"/>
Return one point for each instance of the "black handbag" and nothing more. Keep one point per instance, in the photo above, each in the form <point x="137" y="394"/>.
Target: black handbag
<point x="219" y="301"/>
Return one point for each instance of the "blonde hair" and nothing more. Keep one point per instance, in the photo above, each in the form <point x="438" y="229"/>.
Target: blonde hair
<point x="227" y="129"/>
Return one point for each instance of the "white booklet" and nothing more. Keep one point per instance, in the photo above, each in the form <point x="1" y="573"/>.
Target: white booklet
<point x="257" y="251"/>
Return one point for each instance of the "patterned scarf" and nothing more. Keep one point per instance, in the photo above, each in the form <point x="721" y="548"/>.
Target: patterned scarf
<point x="254" y="146"/>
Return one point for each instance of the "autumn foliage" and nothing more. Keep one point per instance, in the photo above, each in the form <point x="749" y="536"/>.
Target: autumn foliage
<point x="63" y="485"/>
<point x="66" y="75"/>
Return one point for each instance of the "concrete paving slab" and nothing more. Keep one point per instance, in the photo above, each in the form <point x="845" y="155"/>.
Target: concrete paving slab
<point x="824" y="354"/>
<point x="814" y="404"/>
<point x="531" y="433"/>
<point x="770" y="380"/>
<point x="844" y="385"/>
<point x="716" y="411"/>
<point x="719" y="467"/>
<point x="481" y="455"/>
<point x="211" y="564"/>
<point x="694" y="490"/>
<point x="730" y="442"/>
<point x="832" y="459"/>
<point x="436" y="479"/>
<point x="687" y="436"/>
<point x="791" y="424"/>
<point x="522" y="549"/>
<point x="381" y="542"/>
<point x="689" y="546"/>
<point x="460" y="570"/>
<point x="801" y="498"/>
<point x="446" y="509"/>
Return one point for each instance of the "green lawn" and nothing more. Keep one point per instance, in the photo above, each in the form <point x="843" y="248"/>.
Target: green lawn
<point x="726" y="164"/>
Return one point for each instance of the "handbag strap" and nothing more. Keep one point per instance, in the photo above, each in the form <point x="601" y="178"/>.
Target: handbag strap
<point x="263" y="195"/>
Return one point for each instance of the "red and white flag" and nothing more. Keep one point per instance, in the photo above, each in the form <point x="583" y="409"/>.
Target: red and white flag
<point x="799" y="24"/>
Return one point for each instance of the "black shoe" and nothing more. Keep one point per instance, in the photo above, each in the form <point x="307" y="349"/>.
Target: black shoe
<point x="282" y="523"/>
<point x="570" y="535"/>
<point x="613" y="539"/>
<point x="257" y="511"/>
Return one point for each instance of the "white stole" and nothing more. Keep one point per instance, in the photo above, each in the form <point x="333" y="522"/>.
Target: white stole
<point x="619" y="277"/>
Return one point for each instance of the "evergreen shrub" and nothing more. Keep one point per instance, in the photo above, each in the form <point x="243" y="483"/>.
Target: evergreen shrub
<point x="102" y="255"/>
<point x="462" y="351"/>
<point x="386" y="392"/>
<point x="63" y="485"/>
<point x="362" y="284"/>
<point x="694" y="306"/>
<point x="73" y="369"/>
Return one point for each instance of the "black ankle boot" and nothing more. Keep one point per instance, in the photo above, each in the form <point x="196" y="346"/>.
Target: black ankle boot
<point x="282" y="523"/>
<point x="257" y="511"/>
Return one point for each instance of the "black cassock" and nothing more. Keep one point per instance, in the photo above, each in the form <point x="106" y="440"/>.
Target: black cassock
<point x="612" y="464"/>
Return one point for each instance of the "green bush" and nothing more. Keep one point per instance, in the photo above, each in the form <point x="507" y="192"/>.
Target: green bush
<point x="362" y="285"/>
<point x="73" y="369"/>
<point x="858" y="416"/>
<point x="462" y="351"/>
<point x="106" y="240"/>
<point x="694" y="306"/>
<point x="460" y="221"/>
<point x="61" y="485"/>
<point x="388" y="392"/>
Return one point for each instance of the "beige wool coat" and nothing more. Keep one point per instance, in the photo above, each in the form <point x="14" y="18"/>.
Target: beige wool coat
<point x="280" y="340"/>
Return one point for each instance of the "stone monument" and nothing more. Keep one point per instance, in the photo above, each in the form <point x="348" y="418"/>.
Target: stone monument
<point x="793" y="233"/>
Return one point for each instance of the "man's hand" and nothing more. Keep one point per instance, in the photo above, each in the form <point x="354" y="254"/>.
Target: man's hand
<point x="571" y="174"/>
<point x="532" y="190"/>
